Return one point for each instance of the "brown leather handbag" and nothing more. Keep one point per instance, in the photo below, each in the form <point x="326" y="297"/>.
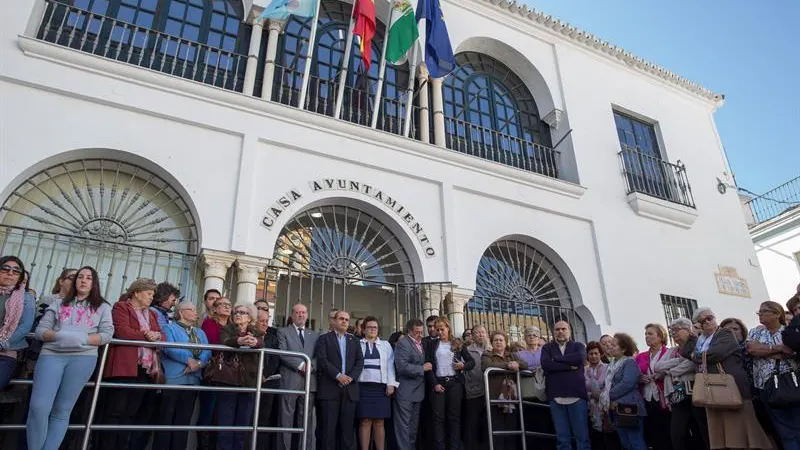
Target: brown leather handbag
<point x="224" y="371"/>
<point x="715" y="390"/>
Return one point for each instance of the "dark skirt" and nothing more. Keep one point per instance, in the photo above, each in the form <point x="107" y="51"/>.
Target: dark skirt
<point x="373" y="403"/>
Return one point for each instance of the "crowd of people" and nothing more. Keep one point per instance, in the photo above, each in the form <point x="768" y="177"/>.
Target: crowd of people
<point x="408" y="392"/>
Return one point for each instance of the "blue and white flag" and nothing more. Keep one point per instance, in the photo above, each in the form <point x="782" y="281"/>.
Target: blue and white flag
<point x="282" y="9"/>
<point x="439" y="56"/>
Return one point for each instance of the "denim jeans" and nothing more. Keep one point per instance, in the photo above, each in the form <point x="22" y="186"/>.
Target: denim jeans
<point x="571" y="421"/>
<point x="787" y="425"/>
<point x="632" y="438"/>
<point x="57" y="383"/>
<point x="7" y="368"/>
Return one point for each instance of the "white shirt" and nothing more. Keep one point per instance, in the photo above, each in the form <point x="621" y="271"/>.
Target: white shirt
<point x="444" y="360"/>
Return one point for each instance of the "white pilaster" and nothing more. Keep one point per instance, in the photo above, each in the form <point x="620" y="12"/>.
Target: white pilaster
<point x="438" y="112"/>
<point x="248" y="268"/>
<point x="215" y="268"/>
<point x="458" y="300"/>
<point x="275" y="27"/>
<point x="252" y="56"/>
<point x="424" y="108"/>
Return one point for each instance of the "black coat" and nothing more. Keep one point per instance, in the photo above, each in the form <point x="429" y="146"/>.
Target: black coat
<point x="272" y="362"/>
<point x="329" y="364"/>
<point x="430" y="357"/>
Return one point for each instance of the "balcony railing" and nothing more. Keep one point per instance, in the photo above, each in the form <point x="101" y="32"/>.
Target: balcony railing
<point x="356" y="104"/>
<point x="776" y="202"/>
<point x="111" y="38"/>
<point x="655" y="177"/>
<point x="489" y="144"/>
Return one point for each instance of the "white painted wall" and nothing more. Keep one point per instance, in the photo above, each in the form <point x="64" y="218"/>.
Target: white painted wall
<point x="778" y="248"/>
<point x="233" y="156"/>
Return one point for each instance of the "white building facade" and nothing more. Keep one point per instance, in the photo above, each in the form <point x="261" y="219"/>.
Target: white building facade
<point x="551" y="175"/>
<point x="774" y="219"/>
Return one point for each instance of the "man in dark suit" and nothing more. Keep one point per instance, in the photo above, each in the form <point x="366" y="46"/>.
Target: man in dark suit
<point x="339" y="362"/>
<point x="409" y="361"/>
<point x="565" y="383"/>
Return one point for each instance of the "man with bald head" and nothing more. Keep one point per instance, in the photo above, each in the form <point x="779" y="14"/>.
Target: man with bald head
<point x="297" y="338"/>
<point x="562" y="362"/>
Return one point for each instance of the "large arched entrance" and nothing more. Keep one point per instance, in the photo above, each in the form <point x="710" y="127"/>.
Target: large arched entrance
<point x="517" y="286"/>
<point x="343" y="257"/>
<point x="122" y="219"/>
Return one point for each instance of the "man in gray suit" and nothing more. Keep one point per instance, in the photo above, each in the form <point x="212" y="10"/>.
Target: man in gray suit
<point x="297" y="338"/>
<point x="409" y="361"/>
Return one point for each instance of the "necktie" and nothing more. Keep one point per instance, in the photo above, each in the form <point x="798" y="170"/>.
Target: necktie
<point x="302" y="339"/>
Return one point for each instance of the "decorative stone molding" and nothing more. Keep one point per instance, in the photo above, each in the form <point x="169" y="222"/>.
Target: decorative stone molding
<point x="248" y="268"/>
<point x="549" y="23"/>
<point x="216" y="263"/>
<point x="553" y="118"/>
<point x="275" y="25"/>
<point x="662" y="210"/>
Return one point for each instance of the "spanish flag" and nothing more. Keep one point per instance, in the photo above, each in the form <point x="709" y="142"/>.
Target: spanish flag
<point x="364" y="28"/>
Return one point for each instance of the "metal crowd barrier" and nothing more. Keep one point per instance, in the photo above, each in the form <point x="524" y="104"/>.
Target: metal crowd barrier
<point x="258" y="390"/>
<point x="519" y="402"/>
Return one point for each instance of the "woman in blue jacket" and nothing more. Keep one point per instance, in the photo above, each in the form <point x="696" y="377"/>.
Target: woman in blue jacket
<point x="183" y="367"/>
<point x="17" y="309"/>
<point x="622" y="391"/>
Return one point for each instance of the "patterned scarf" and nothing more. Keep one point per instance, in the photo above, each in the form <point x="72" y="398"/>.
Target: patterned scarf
<point x="193" y="338"/>
<point x="605" y="397"/>
<point x="14" y="307"/>
<point x="146" y="354"/>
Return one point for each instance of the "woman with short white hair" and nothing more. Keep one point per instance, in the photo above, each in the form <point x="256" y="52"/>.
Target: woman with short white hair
<point x="679" y="375"/>
<point x="717" y="347"/>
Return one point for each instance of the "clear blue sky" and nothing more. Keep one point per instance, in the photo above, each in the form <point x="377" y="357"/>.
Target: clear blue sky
<point x="747" y="50"/>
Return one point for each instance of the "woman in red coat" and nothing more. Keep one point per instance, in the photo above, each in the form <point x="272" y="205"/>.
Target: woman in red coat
<point x="133" y="320"/>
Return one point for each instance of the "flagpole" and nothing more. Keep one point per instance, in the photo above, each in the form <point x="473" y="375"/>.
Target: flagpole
<point x="312" y="37"/>
<point x="348" y="47"/>
<point x="382" y="70"/>
<point x="410" y="91"/>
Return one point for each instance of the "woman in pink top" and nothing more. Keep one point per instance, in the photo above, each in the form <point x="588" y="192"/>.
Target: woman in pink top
<point x="217" y="320"/>
<point x="651" y="385"/>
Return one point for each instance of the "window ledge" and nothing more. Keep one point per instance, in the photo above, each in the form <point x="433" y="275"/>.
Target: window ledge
<point x="662" y="210"/>
<point x="133" y="74"/>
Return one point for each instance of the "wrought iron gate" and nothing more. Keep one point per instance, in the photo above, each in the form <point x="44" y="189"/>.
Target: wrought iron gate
<point x="121" y="219"/>
<point x="392" y="303"/>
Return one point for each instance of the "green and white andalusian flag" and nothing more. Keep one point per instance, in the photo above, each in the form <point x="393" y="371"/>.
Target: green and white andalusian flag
<point x="403" y="32"/>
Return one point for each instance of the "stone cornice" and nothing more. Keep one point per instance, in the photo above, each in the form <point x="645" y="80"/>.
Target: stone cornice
<point x="584" y="38"/>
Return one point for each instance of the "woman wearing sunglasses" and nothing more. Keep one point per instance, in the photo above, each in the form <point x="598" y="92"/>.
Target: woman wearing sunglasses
<point x="16" y="315"/>
<point x="236" y="408"/>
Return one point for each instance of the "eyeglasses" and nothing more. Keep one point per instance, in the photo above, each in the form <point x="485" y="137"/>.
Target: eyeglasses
<point x="10" y="269"/>
<point x="263" y="309"/>
<point x="761" y="312"/>
<point x="371" y="327"/>
<point x="706" y="319"/>
<point x="241" y="313"/>
<point x="225" y="305"/>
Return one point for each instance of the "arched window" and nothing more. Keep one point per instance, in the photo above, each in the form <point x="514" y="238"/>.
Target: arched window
<point x="489" y="112"/>
<point x="122" y="219"/>
<point x="201" y="40"/>
<point x="517" y="286"/>
<point x="332" y="32"/>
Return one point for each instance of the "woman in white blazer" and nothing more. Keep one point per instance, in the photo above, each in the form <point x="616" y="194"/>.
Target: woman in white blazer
<point x="376" y="386"/>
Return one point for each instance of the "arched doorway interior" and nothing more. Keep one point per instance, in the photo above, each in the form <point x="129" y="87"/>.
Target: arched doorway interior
<point x="342" y="257"/>
<point x="518" y="286"/>
<point x="120" y="218"/>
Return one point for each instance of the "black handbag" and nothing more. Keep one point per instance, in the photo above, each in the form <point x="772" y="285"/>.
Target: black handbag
<point x="781" y="390"/>
<point x="627" y="416"/>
